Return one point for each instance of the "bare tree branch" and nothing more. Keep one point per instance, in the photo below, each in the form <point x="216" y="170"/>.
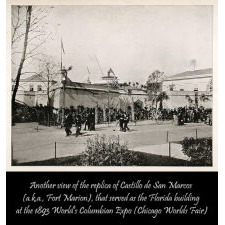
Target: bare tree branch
<point x="37" y="46"/>
<point x="15" y="27"/>
<point x="28" y="20"/>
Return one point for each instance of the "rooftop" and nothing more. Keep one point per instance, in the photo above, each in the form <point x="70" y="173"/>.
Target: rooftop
<point x="190" y="74"/>
<point x="35" y="78"/>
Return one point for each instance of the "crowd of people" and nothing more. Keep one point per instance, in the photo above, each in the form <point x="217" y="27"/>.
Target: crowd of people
<point x="72" y="117"/>
<point x="183" y="115"/>
<point x="123" y="119"/>
<point x="180" y="116"/>
<point x="86" y="116"/>
<point x="43" y="115"/>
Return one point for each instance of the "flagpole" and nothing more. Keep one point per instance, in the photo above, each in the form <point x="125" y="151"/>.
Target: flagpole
<point x="88" y="70"/>
<point x="108" y="106"/>
<point x="61" y="52"/>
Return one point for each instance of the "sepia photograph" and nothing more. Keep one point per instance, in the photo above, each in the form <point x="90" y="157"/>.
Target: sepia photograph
<point x="112" y="85"/>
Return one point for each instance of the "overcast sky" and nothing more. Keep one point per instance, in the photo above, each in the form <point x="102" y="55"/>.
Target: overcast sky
<point x="132" y="40"/>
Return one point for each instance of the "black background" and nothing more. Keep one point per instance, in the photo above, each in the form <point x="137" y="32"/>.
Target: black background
<point x="205" y="184"/>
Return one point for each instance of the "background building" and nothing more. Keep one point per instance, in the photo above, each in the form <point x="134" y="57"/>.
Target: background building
<point x="184" y="87"/>
<point x="188" y="81"/>
<point x="34" y="91"/>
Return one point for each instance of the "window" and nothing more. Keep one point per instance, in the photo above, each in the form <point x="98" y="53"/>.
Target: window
<point x="195" y="89"/>
<point x="181" y="89"/>
<point x="31" y="87"/>
<point x="172" y="87"/>
<point x="39" y="88"/>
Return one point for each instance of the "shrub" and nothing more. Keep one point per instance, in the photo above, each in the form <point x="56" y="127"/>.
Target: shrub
<point x="199" y="151"/>
<point x="103" y="151"/>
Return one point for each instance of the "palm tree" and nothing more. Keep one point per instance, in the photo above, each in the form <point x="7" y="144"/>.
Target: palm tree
<point x="189" y="99"/>
<point x="160" y="98"/>
<point x="204" y="98"/>
<point x="153" y="85"/>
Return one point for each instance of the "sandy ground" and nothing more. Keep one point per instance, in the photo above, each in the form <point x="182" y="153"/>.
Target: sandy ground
<point x="32" y="144"/>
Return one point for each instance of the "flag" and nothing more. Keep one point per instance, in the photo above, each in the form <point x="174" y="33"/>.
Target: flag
<point x="62" y="48"/>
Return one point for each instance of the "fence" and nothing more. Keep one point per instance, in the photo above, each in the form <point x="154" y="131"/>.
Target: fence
<point x="171" y="145"/>
<point x="174" y="138"/>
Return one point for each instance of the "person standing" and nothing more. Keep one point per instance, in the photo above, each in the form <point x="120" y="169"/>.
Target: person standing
<point x="86" y="120"/>
<point x="126" y="121"/>
<point x="195" y="116"/>
<point x="78" y="125"/>
<point x="117" y="120"/>
<point x="121" y="121"/>
<point x="92" y="121"/>
<point x="68" y="123"/>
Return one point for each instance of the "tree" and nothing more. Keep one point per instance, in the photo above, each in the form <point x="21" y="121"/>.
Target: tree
<point x="204" y="98"/>
<point x="49" y="70"/>
<point x="24" y="51"/>
<point x="160" y="98"/>
<point x="189" y="99"/>
<point x="154" y="84"/>
<point x="28" y="34"/>
<point x="172" y="87"/>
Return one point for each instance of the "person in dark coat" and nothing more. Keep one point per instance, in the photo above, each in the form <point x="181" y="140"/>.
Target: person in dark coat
<point x="126" y="121"/>
<point x="78" y="125"/>
<point x="68" y="124"/>
<point x="195" y="116"/>
<point x="92" y="121"/>
<point x="121" y="121"/>
<point x="87" y="121"/>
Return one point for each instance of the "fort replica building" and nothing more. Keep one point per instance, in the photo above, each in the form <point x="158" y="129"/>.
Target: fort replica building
<point x="104" y="95"/>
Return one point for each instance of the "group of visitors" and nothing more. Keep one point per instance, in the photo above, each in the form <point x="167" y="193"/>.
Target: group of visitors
<point x="179" y="115"/>
<point x="89" y="120"/>
<point x="183" y="115"/>
<point x="122" y="119"/>
<point x="43" y="115"/>
<point x="73" y="118"/>
<point x="69" y="120"/>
